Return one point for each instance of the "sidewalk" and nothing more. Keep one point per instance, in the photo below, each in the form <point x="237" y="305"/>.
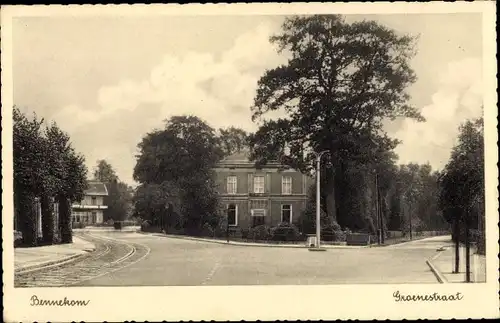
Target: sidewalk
<point x="444" y="263"/>
<point x="250" y="244"/>
<point x="26" y="259"/>
<point x="108" y="229"/>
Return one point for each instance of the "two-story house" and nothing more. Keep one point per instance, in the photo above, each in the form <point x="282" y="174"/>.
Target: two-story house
<point x="254" y="196"/>
<point x="90" y="209"/>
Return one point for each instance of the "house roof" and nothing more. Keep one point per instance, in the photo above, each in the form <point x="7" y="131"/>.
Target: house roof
<point x="242" y="159"/>
<point x="241" y="156"/>
<point x="96" y="188"/>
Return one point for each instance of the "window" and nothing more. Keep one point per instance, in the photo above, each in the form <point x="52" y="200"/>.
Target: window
<point x="258" y="184"/>
<point x="232" y="214"/>
<point x="94" y="200"/>
<point x="231" y="185"/>
<point x="286" y="185"/>
<point x="286" y="213"/>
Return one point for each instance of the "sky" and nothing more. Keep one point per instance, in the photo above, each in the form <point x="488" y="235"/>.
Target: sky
<point x="108" y="81"/>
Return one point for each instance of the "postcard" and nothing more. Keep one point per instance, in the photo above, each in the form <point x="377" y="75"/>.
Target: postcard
<point x="305" y="161"/>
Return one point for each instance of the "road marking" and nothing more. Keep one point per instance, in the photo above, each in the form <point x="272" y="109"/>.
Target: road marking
<point x="211" y="273"/>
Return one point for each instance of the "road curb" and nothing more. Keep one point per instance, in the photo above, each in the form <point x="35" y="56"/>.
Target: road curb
<point x="54" y="263"/>
<point x="243" y="244"/>
<point x="50" y="264"/>
<point x="439" y="276"/>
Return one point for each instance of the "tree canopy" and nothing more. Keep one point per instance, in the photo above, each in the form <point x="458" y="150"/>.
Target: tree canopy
<point x="176" y="164"/>
<point x="341" y="81"/>
<point x="233" y="140"/>
<point x="119" y="199"/>
<point x="462" y="181"/>
<point x="104" y="172"/>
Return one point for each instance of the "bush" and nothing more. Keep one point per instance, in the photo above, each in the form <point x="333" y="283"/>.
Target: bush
<point x="285" y="232"/>
<point x="219" y="232"/>
<point x="118" y="225"/>
<point x="78" y="225"/>
<point x="236" y="233"/>
<point x="207" y="231"/>
<point x="244" y="233"/>
<point x="333" y="232"/>
<point x="145" y="225"/>
<point x="260" y="232"/>
<point x="18" y="238"/>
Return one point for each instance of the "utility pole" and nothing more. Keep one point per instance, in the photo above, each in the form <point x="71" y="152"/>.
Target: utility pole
<point x="456" y="230"/>
<point x="318" y="197"/>
<point x="377" y="210"/>
<point x="409" y="214"/>
<point x="227" y="224"/>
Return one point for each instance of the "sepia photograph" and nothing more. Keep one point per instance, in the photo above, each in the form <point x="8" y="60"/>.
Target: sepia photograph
<point x="286" y="148"/>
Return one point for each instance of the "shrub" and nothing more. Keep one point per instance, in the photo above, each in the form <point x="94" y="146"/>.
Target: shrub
<point x="236" y="232"/>
<point x="145" y="225"/>
<point x="207" y="230"/>
<point x="78" y="225"/>
<point x="18" y="238"/>
<point x="333" y="232"/>
<point x="244" y="233"/>
<point x="219" y="232"/>
<point x="118" y="225"/>
<point x="260" y="232"/>
<point x="285" y="232"/>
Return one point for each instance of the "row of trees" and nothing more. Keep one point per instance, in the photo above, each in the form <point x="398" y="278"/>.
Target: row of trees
<point x="175" y="171"/>
<point x="462" y="190"/>
<point x="119" y="200"/>
<point x="47" y="168"/>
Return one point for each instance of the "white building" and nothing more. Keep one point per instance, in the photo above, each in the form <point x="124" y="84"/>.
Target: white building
<point x="90" y="209"/>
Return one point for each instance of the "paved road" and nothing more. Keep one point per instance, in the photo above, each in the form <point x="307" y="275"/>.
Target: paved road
<point x="176" y="262"/>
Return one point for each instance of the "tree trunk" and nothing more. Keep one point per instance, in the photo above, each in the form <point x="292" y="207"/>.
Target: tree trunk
<point x="28" y="218"/>
<point x="65" y="220"/>
<point x="467" y="248"/>
<point x="331" y="205"/>
<point x="456" y="230"/>
<point x="47" y="219"/>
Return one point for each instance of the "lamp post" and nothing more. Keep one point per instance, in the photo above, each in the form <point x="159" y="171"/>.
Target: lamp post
<point x="318" y="195"/>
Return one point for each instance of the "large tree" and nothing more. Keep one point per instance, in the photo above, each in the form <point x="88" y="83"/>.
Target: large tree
<point x="30" y="171"/>
<point x="233" y="140"/>
<point x="183" y="156"/>
<point x="72" y="190"/>
<point x="119" y="199"/>
<point x="104" y="172"/>
<point x="57" y="148"/>
<point x="341" y="81"/>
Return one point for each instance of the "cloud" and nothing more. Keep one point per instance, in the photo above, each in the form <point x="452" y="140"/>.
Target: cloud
<point x="458" y="98"/>
<point x="217" y="88"/>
